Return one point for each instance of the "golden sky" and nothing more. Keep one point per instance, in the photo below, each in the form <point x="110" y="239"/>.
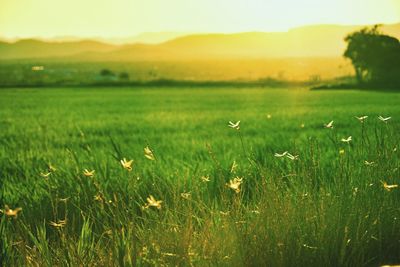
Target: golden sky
<point x="117" y="18"/>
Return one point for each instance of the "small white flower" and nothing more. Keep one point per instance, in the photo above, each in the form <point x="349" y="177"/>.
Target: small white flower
<point x="290" y="156"/>
<point x="310" y="247"/>
<point x="385" y="120"/>
<point x="51" y="168"/>
<point x="186" y="195"/>
<point x="88" y="173"/>
<point x="287" y="154"/>
<point x="45" y="175"/>
<point x="329" y="125"/>
<point x="369" y="163"/>
<point x="280" y="155"/>
<point x="346" y="140"/>
<point x="205" y="178"/>
<point x="389" y="187"/>
<point x="126" y="164"/>
<point x="362" y="118"/>
<point x="234" y="125"/>
<point x="152" y="202"/>
<point x="235" y="184"/>
<point x="11" y="212"/>
<point x="59" y="224"/>
<point x="148" y="153"/>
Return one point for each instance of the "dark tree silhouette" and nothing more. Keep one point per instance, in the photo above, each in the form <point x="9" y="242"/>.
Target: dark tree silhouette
<point x="106" y="72"/>
<point x="375" y="56"/>
<point x="124" y="76"/>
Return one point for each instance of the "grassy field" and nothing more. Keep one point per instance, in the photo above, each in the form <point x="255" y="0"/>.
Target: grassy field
<point x="328" y="207"/>
<point x="58" y="72"/>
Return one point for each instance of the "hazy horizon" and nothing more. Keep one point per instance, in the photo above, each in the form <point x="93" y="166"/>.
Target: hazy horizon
<point x="162" y="36"/>
<point x="125" y="18"/>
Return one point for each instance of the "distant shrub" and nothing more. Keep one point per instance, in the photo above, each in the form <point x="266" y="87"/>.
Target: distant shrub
<point x="106" y="72"/>
<point x="124" y="76"/>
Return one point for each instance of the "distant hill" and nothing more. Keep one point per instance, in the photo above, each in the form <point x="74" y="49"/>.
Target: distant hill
<point x="309" y="41"/>
<point x="30" y="48"/>
<point x="144" y="38"/>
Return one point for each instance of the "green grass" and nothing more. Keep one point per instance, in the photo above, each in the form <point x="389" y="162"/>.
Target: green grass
<point x="326" y="208"/>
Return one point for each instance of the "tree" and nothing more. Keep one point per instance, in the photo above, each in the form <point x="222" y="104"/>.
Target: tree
<point x="106" y="72"/>
<point x="124" y="76"/>
<point x="375" y="56"/>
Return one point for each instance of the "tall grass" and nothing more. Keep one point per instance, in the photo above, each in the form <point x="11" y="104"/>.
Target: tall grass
<point x="328" y="207"/>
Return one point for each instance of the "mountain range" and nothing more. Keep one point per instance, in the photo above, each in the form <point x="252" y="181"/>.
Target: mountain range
<point x="308" y="41"/>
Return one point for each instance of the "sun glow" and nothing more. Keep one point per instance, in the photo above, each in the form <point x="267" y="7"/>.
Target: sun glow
<point x="49" y="18"/>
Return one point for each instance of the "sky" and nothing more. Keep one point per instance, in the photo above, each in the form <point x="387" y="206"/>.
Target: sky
<point x="122" y="18"/>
